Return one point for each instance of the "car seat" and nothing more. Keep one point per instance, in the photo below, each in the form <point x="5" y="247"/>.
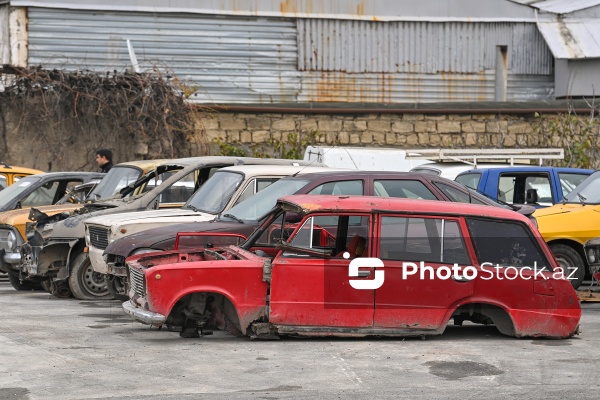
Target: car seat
<point x="356" y="247"/>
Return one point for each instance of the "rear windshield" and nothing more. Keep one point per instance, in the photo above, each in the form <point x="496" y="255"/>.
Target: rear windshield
<point x="586" y="193"/>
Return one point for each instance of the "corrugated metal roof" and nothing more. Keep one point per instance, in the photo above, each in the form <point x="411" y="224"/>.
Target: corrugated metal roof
<point x="388" y="10"/>
<point x="565" y="6"/>
<point x="572" y="38"/>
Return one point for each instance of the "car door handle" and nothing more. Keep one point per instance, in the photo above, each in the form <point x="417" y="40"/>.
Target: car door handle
<point x="460" y="279"/>
<point x="364" y="274"/>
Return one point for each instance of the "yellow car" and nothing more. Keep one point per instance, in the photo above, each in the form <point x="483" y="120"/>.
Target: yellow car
<point x="567" y="226"/>
<point x="11" y="174"/>
<point x="13" y="223"/>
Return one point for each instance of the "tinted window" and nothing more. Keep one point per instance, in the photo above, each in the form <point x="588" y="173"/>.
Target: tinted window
<point x="470" y="180"/>
<point x="340" y="188"/>
<point x="453" y="193"/>
<point x="422" y="239"/>
<point x="505" y="244"/>
<point x="403" y="188"/>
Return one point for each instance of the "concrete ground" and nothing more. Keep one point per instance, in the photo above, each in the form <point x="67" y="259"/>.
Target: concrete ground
<point x="71" y="349"/>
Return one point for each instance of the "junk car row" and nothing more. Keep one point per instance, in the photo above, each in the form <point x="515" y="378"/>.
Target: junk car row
<point x="262" y="247"/>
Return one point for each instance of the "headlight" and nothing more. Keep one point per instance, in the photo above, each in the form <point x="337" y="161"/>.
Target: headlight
<point x="11" y="241"/>
<point x="88" y="241"/>
<point x="592" y="255"/>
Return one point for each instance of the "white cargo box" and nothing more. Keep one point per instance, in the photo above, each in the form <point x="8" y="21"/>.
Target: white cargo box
<point x="362" y="158"/>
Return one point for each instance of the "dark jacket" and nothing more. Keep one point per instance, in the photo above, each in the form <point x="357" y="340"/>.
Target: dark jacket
<point x="106" y="167"/>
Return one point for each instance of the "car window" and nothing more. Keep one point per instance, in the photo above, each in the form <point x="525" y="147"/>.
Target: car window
<point x="340" y="188"/>
<point x="422" y="239"/>
<point x="2" y="181"/>
<point x="525" y="189"/>
<point x="569" y="181"/>
<point x="469" y="180"/>
<point x="332" y="234"/>
<point x="255" y="186"/>
<point x="453" y="193"/>
<point x="180" y="191"/>
<point x="505" y="244"/>
<point x="42" y="196"/>
<point x="411" y="189"/>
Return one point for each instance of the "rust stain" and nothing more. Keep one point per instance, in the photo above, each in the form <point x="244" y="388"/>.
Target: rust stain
<point x="288" y="7"/>
<point x="360" y="8"/>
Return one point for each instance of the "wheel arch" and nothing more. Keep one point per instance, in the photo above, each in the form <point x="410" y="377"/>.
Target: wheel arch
<point x="497" y="313"/>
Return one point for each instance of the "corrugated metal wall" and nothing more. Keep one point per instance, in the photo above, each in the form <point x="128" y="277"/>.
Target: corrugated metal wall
<point x="271" y="60"/>
<point x="231" y="60"/>
<point x="419" y="47"/>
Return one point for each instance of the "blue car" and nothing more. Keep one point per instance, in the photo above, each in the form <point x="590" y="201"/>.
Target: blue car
<point x="523" y="184"/>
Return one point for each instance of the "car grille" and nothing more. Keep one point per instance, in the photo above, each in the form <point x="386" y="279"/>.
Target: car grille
<point x="137" y="281"/>
<point x="98" y="237"/>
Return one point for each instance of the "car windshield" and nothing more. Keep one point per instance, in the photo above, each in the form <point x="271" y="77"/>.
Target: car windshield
<point x="257" y="206"/>
<point x="116" y="179"/>
<point x="586" y="193"/>
<point x="14" y="190"/>
<point x="213" y="196"/>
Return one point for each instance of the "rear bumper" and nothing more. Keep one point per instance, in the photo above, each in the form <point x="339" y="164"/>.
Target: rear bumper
<point x="143" y="316"/>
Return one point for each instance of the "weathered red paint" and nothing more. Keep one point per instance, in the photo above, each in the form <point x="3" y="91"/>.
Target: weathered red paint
<point x="312" y="296"/>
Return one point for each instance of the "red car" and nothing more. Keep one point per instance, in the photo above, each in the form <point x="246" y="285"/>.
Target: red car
<point x="345" y="265"/>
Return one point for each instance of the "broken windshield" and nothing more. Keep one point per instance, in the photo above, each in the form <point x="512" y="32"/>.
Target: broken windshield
<point x="116" y="179"/>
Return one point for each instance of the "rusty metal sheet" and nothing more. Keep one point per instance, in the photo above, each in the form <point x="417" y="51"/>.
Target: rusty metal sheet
<point x="572" y="38"/>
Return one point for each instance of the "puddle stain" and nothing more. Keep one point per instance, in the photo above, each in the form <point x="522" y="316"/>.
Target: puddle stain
<point x="454" y="370"/>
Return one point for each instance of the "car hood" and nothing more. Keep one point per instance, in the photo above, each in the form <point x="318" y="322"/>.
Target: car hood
<point x="146" y="217"/>
<point x="563" y="209"/>
<point x="163" y="238"/>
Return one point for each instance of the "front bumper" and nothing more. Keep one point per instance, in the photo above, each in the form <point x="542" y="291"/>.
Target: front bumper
<point x="97" y="260"/>
<point x="143" y="316"/>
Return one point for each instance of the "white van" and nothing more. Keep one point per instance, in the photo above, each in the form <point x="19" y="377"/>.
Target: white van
<point x="363" y="158"/>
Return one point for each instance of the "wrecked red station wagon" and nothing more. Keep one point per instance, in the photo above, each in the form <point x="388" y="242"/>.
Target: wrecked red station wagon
<point x="424" y="263"/>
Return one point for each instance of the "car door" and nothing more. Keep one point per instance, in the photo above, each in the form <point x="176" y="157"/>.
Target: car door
<point x="309" y="290"/>
<point x="417" y="253"/>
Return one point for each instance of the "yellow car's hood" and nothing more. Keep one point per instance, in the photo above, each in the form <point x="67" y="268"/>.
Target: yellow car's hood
<point x="18" y="218"/>
<point x="575" y="222"/>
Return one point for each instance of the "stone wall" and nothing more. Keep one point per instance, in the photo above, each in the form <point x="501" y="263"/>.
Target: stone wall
<point x="386" y="130"/>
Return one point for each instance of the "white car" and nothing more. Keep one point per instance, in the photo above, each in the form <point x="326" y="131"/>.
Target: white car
<point x="227" y="187"/>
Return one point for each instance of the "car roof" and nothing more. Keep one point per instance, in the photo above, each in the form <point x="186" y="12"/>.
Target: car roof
<point x="69" y="174"/>
<point x="13" y="169"/>
<point x="532" y="168"/>
<point x="327" y="203"/>
<point x="277" y="170"/>
<point x="360" y="174"/>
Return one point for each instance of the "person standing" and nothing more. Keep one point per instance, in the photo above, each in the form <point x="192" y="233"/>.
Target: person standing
<point x="104" y="160"/>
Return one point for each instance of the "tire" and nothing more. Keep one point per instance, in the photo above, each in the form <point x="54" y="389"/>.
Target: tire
<point x="116" y="285"/>
<point x="85" y="283"/>
<point x="569" y="259"/>
<point x="13" y="278"/>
